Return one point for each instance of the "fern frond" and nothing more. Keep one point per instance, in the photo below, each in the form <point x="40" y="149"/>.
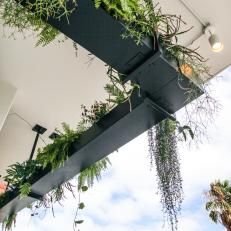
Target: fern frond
<point x="47" y="35"/>
<point x="92" y="173"/>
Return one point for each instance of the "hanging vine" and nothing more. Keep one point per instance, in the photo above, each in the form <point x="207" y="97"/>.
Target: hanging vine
<point x="164" y="155"/>
<point x="9" y="222"/>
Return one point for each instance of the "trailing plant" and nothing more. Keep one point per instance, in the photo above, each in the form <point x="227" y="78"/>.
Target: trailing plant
<point x="92" y="173"/>
<point x="80" y="206"/>
<point x="9" y="222"/>
<point x="86" y="179"/>
<point x="164" y="154"/>
<point x="24" y="15"/>
<point x="200" y="112"/>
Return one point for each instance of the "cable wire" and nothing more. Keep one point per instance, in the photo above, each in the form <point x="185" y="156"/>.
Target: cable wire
<point x="28" y="123"/>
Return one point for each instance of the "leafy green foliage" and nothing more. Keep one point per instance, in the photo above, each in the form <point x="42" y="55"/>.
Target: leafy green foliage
<point x="79" y="221"/>
<point x="184" y="130"/>
<point x="123" y="9"/>
<point x="116" y="95"/>
<point x="163" y="151"/>
<point x="87" y="176"/>
<point x="81" y="205"/>
<point x="142" y="18"/>
<point x="46" y="35"/>
<point x="56" y="153"/>
<point x="9" y="222"/>
<point x="32" y="17"/>
<point x="25" y="189"/>
<point x="19" y="175"/>
<point x="95" y="113"/>
<point x="118" y="91"/>
<point x="84" y="188"/>
<point x="219" y="203"/>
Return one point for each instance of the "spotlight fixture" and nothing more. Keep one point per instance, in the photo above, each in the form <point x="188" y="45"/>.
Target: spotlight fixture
<point x="53" y="135"/>
<point x="213" y="38"/>
<point x="215" y="43"/>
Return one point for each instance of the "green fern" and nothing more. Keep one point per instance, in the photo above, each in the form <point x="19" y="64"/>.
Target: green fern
<point x="19" y="174"/>
<point x="56" y="153"/>
<point x="92" y="173"/>
<point x="47" y="35"/>
<point x="24" y="189"/>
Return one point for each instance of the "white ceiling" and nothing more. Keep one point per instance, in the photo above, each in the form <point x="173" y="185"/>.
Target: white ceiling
<point x="52" y="83"/>
<point x="214" y="12"/>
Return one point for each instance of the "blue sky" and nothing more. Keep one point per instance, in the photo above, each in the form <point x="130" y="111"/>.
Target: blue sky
<point x="126" y="198"/>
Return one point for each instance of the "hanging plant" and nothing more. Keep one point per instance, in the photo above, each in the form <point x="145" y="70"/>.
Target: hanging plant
<point x="9" y="222"/>
<point x="164" y="155"/>
<point x="92" y="173"/>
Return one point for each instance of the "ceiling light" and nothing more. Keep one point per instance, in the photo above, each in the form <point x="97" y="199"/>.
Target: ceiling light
<point x="215" y="43"/>
<point x="213" y="38"/>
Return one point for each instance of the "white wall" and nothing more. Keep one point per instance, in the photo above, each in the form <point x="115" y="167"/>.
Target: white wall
<point x="7" y="94"/>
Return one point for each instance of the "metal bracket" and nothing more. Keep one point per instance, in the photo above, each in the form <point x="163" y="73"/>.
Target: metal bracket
<point x="53" y="135"/>
<point x="35" y="196"/>
<point x="140" y="69"/>
<point x="155" y="106"/>
<point x="39" y="130"/>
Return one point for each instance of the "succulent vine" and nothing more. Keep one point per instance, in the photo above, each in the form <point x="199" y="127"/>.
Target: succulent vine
<point x="164" y="155"/>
